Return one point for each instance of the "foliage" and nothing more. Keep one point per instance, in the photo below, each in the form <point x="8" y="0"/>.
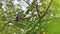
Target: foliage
<point x="46" y="21"/>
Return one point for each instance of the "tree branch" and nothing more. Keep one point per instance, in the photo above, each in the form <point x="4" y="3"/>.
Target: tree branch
<point x="46" y="10"/>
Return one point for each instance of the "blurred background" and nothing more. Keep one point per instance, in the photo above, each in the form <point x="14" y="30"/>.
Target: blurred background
<point x="29" y="16"/>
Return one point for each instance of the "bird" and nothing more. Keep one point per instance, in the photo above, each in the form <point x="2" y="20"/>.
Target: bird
<point x="19" y="15"/>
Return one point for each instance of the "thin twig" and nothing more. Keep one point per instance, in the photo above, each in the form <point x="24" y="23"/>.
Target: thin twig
<point x="27" y="2"/>
<point x="51" y="18"/>
<point x="37" y="11"/>
<point x="46" y="9"/>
